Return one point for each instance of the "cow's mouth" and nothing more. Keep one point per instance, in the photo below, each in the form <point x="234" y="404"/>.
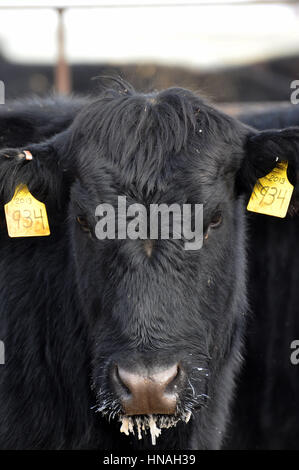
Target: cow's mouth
<point x="141" y="425"/>
<point x="143" y="407"/>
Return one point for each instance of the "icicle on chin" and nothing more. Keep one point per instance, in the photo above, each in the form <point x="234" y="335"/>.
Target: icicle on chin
<point x="153" y="423"/>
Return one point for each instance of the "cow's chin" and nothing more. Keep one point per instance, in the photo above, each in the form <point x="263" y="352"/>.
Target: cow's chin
<point x="140" y="425"/>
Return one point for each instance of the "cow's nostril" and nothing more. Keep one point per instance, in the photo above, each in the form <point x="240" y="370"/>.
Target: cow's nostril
<point x="147" y="392"/>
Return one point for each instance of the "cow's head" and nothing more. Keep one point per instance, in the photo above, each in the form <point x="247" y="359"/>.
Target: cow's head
<point x="165" y="322"/>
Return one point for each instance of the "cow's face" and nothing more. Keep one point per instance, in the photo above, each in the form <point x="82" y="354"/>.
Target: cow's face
<point x="165" y="322"/>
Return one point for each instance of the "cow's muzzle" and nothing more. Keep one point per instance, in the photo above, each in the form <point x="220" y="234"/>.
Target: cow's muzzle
<point x="148" y="391"/>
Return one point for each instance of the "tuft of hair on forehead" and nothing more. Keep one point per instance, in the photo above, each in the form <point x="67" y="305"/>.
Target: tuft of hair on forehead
<point x="138" y="133"/>
<point x="118" y="114"/>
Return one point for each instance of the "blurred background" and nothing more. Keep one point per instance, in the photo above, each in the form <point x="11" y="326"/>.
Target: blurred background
<point x="231" y="51"/>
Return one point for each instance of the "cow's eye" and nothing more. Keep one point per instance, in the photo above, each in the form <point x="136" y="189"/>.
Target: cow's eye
<point x="216" y="220"/>
<point x="82" y="221"/>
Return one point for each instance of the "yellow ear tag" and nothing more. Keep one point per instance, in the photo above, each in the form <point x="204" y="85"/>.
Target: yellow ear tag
<point x="25" y="215"/>
<point x="271" y="195"/>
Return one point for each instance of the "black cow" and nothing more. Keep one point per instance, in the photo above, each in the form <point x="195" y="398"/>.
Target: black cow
<point x="267" y="403"/>
<point x="277" y="117"/>
<point x="139" y="332"/>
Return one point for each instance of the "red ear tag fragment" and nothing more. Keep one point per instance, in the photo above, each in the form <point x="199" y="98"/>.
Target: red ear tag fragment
<point x="28" y="155"/>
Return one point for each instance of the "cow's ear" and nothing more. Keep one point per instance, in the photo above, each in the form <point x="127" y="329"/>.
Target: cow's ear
<point x="39" y="166"/>
<point x="263" y="151"/>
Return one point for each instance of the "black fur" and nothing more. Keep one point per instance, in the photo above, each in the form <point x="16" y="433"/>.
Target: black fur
<point x="267" y="404"/>
<point x="72" y="305"/>
<point x="278" y="117"/>
<point x="25" y="121"/>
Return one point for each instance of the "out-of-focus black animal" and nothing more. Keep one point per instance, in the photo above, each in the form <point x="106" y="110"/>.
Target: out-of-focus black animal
<point x="30" y="120"/>
<point x="139" y="332"/>
<point x="267" y="402"/>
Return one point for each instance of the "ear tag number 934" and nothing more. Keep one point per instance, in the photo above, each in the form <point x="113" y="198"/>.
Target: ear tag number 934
<point x="271" y="194"/>
<point x="25" y="215"/>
